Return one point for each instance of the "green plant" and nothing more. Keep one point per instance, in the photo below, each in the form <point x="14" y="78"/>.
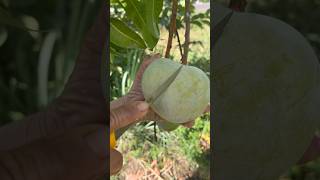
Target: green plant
<point x="36" y="64"/>
<point x="138" y="28"/>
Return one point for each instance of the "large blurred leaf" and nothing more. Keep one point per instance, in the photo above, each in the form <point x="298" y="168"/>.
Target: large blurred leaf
<point x="116" y="50"/>
<point x="123" y="36"/>
<point x="6" y="18"/>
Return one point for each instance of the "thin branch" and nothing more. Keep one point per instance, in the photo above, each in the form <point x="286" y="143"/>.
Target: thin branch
<point x="180" y="47"/>
<point x="184" y="59"/>
<point x="172" y="26"/>
<point x="238" y="5"/>
<point x="155" y="131"/>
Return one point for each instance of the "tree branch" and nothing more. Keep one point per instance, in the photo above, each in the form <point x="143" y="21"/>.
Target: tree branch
<point x="180" y="47"/>
<point x="172" y="26"/>
<point x="184" y="59"/>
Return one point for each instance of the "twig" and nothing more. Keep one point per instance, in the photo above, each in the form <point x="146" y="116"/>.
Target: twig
<point x="142" y="163"/>
<point x="172" y="26"/>
<point x="164" y="170"/>
<point x="238" y="5"/>
<point x="180" y="46"/>
<point x="184" y="59"/>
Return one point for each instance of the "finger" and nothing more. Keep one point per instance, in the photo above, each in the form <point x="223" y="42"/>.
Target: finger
<point x="116" y="161"/>
<point x="79" y="154"/>
<point x="146" y="62"/>
<point x="127" y="114"/>
<point x="188" y="124"/>
<point x="151" y="56"/>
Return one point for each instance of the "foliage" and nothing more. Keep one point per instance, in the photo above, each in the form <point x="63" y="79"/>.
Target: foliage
<point x="187" y="144"/>
<point x="139" y="27"/>
<point x="36" y="64"/>
<point x="198" y="18"/>
<point x="138" y="143"/>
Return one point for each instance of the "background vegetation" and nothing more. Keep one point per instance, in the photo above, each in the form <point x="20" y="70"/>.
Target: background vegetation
<point x="183" y="153"/>
<point x="35" y="65"/>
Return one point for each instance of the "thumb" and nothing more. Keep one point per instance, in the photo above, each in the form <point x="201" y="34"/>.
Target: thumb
<point x="127" y="114"/>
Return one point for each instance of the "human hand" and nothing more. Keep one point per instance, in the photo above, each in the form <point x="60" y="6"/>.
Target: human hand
<point x="120" y="117"/>
<point x="136" y="94"/>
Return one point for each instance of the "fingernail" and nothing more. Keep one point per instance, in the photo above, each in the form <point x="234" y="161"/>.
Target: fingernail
<point x="143" y="106"/>
<point x="97" y="141"/>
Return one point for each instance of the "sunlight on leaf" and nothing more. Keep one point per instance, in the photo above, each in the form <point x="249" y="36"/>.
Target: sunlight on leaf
<point x="123" y="36"/>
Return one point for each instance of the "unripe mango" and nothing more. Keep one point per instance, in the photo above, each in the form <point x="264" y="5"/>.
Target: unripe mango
<point x="186" y="97"/>
<point x="266" y="96"/>
<point x="167" y="126"/>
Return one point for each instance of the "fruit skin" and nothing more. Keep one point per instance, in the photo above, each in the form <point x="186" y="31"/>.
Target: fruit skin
<point x="185" y="99"/>
<point x="266" y="97"/>
<point x="167" y="126"/>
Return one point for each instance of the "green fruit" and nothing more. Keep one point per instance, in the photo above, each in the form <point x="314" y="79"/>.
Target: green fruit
<point x="187" y="96"/>
<point x="266" y="97"/>
<point x="167" y="126"/>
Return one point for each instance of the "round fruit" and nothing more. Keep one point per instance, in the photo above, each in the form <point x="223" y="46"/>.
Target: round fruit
<point x="266" y="96"/>
<point x="185" y="98"/>
<point x="167" y="126"/>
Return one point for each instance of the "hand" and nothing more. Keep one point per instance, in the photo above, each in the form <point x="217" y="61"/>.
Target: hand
<point x="120" y="117"/>
<point x="67" y="140"/>
<point x="136" y="94"/>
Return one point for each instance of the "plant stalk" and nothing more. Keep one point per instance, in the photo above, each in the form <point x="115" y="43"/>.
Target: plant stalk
<point x="184" y="59"/>
<point x="172" y="27"/>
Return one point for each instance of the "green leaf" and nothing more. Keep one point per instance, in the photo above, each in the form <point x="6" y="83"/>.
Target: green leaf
<point x="116" y="50"/>
<point x="198" y="23"/>
<point x="153" y="9"/>
<point x="123" y="36"/>
<point x="6" y="18"/>
<point x="206" y="22"/>
<point x="198" y="16"/>
<point x="113" y="1"/>
<point x="145" y="16"/>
